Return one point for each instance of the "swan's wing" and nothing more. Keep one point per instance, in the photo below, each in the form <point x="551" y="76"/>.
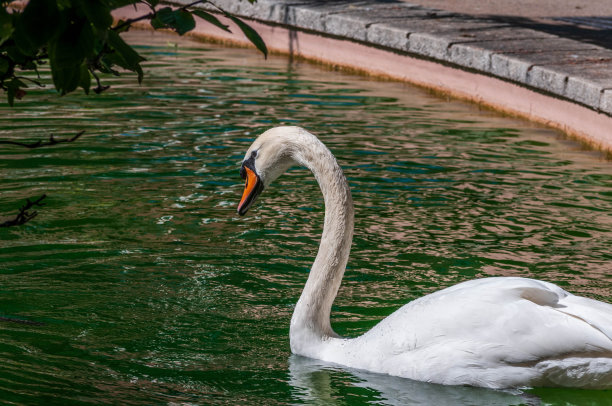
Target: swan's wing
<point x="537" y="319"/>
<point x="597" y="314"/>
<point x="489" y="329"/>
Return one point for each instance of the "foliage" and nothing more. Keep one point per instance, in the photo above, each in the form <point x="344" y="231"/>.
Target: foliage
<point x="79" y="40"/>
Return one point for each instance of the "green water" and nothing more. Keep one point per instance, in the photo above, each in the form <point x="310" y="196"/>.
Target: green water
<point x="147" y="288"/>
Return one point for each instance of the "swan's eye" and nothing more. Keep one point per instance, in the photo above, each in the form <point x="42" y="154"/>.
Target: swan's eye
<point x="249" y="163"/>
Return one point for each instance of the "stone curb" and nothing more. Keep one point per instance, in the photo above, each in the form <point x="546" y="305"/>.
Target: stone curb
<point x="563" y="67"/>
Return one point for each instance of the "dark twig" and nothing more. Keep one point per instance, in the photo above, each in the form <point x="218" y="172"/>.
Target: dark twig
<point x="24" y="216"/>
<point x="185" y="7"/>
<point x="39" y="143"/>
<point x="128" y="23"/>
<point x="36" y="82"/>
<point x="99" y="88"/>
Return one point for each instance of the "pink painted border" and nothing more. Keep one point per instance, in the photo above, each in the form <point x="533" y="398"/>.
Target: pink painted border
<point x="575" y="120"/>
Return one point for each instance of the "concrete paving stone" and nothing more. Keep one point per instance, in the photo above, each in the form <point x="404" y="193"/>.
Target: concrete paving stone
<point x="429" y="45"/>
<point x="589" y="54"/>
<point x="307" y="18"/>
<point x="474" y="48"/>
<point x="501" y="32"/>
<point x="386" y="36"/>
<point x="442" y="23"/>
<point x="466" y="50"/>
<point x="515" y="59"/>
<point x="276" y="11"/>
<point x="442" y="45"/>
<point x="510" y="67"/>
<point x="605" y="104"/>
<point x="354" y="23"/>
<point x="469" y="56"/>
<point x="581" y="80"/>
<point x="533" y="46"/>
<point x="586" y="81"/>
<point x="431" y="38"/>
<point x="393" y="32"/>
<point x="547" y="79"/>
<point x="550" y="70"/>
<point x="583" y="90"/>
<point x="227" y="5"/>
<point x="314" y="16"/>
<point x="272" y="11"/>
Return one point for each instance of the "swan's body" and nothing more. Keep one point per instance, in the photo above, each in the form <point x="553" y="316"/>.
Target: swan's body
<point x="493" y="332"/>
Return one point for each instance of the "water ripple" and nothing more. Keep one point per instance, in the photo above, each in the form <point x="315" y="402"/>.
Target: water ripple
<point x="144" y="286"/>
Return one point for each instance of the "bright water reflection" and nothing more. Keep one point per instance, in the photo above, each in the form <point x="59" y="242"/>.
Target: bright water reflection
<point x="149" y="287"/>
<point x="317" y="382"/>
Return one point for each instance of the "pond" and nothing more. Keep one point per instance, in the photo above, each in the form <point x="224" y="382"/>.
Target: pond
<point x="137" y="283"/>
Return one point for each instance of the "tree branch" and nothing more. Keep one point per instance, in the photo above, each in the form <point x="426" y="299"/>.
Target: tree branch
<point x="24" y="216"/>
<point x="128" y="23"/>
<point x="39" y="143"/>
<point x="185" y="7"/>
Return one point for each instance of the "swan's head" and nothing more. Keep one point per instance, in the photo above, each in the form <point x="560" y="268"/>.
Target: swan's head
<point x="269" y="156"/>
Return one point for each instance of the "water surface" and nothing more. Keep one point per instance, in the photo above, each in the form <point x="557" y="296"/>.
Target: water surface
<point x="145" y="287"/>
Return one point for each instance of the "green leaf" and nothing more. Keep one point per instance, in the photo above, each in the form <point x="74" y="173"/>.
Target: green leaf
<point x="36" y="25"/>
<point x="183" y="21"/>
<point x="10" y="94"/>
<point x="64" y="4"/>
<point x="15" y="53"/>
<point x="6" y="25"/>
<point x="75" y="43"/>
<point x="156" y="23"/>
<point x="4" y="67"/>
<point x="211" y="19"/>
<point x="250" y="33"/>
<point x="179" y="20"/>
<point x="85" y="78"/>
<point x="69" y="50"/>
<point x="66" y="78"/>
<point x="14" y="90"/>
<point x="97" y="12"/>
<point x="165" y="16"/>
<point x="124" y="55"/>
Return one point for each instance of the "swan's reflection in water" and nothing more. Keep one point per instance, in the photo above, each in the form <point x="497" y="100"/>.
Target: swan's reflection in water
<point x="316" y="382"/>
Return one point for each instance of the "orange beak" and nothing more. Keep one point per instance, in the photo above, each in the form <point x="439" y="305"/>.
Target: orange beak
<point x="251" y="189"/>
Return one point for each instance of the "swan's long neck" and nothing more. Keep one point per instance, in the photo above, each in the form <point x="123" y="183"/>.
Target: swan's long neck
<point x="311" y="319"/>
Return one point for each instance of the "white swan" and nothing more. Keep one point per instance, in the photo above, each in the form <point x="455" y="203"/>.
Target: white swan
<point x="494" y="332"/>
